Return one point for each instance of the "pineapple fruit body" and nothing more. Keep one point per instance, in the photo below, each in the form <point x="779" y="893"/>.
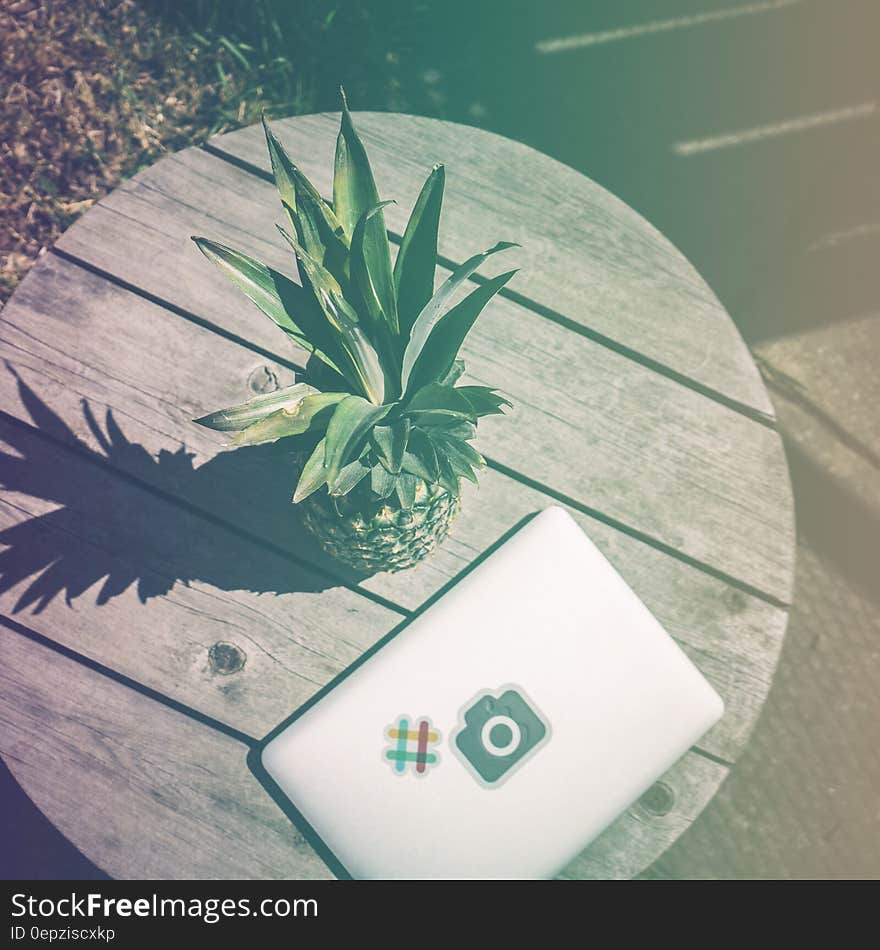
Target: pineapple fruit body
<point x="380" y="536"/>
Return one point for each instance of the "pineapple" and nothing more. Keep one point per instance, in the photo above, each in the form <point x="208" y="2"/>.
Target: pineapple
<point x="379" y="425"/>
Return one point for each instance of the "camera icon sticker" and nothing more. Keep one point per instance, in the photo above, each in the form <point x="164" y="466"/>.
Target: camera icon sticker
<point x="502" y="730"/>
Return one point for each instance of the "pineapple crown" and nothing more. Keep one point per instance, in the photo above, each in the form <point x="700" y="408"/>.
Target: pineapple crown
<point x="380" y="391"/>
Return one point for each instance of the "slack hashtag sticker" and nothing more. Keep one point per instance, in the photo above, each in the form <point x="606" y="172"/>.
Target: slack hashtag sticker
<point x="409" y="746"/>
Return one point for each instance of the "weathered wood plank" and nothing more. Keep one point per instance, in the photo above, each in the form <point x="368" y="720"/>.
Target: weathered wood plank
<point x="146" y="792"/>
<point x="657" y="456"/>
<point x="160" y="373"/>
<point x="64" y="361"/>
<point x="143" y="791"/>
<point x="587" y="255"/>
<point x="102" y="566"/>
<point x="624" y="849"/>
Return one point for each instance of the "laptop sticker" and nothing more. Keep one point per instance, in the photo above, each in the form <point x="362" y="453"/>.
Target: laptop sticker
<point x="502" y="730"/>
<point x="413" y="746"/>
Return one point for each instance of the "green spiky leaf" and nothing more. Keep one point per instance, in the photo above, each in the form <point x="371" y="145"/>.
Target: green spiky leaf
<point x="447" y="476"/>
<point x="362" y="360"/>
<point x="447" y="336"/>
<point x="293" y="185"/>
<point x="417" y="257"/>
<point x="382" y="481"/>
<point x="247" y="413"/>
<point x="405" y="488"/>
<point x="313" y="475"/>
<point x="354" y="188"/>
<point x="414" y="465"/>
<point x="348" y="427"/>
<point x="319" y="375"/>
<point x="438" y="305"/>
<point x="485" y="401"/>
<point x="461" y="469"/>
<point x="371" y="270"/>
<point x="390" y="443"/>
<point x="317" y="228"/>
<point x="463" y="458"/>
<point x="288" y="305"/>
<point x="456" y="371"/>
<point x="316" y="236"/>
<point x="312" y="412"/>
<point x="455" y="429"/>
<point x="348" y="478"/>
<point x="420" y="458"/>
<point x="283" y="170"/>
<point x="362" y="356"/>
<point x="436" y="404"/>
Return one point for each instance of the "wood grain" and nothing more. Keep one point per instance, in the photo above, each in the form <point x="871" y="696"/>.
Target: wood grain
<point x="657" y="457"/>
<point x="587" y="255"/>
<point x="142" y="790"/>
<point x="58" y="365"/>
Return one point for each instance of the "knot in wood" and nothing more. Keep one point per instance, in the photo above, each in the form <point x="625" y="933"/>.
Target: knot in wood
<point x="262" y="380"/>
<point x="226" y="658"/>
<point x="658" y="800"/>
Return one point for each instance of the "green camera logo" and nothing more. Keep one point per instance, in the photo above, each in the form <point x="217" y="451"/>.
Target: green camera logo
<point x="502" y="729"/>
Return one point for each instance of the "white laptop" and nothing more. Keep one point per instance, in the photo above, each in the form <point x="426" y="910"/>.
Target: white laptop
<point x="503" y="728"/>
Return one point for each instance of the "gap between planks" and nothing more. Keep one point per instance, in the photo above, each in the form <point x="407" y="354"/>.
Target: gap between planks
<point x="733" y="638"/>
<point x="19" y="629"/>
<point x="147" y="691"/>
<point x="181" y="191"/>
<point x="163" y="698"/>
<point x="554" y="316"/>
<point x="145" y="793"/>
<point x="268" y="844"/>
<point x="643" y="537"/>
<point x="600" y="262"/>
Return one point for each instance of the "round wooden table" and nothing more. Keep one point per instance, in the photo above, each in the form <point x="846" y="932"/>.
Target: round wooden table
<point x="161" y="610"/>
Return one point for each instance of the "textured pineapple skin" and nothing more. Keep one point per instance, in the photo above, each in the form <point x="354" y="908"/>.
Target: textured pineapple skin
<point x="381" y="537"/>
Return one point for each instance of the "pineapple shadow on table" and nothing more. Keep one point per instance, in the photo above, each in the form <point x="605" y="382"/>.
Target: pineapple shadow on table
<point x="126" y="516"/>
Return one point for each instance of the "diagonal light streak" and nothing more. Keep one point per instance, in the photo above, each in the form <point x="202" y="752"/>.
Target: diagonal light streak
<point x="561" y="44"/>
<point x="800" y="124"/>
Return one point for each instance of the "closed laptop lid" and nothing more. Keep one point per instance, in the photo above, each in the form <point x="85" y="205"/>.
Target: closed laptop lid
<point x="502" y="729"/>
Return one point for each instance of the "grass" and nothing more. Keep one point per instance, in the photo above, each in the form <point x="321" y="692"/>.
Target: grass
<point x="93" y="90"/>
<point x="295" y="55"/>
